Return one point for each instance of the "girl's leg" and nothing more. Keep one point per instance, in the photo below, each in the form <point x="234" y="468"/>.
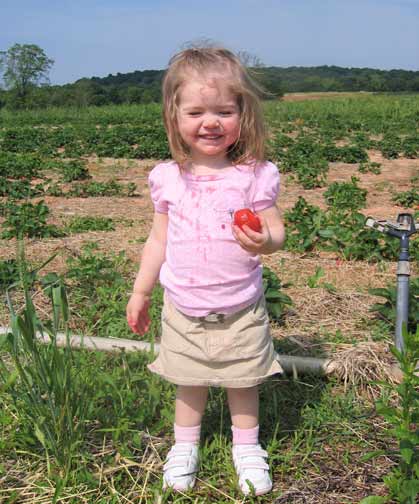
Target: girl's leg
<point x="244" y="407"/>
<point x="182" y="460"/>
<point x="190" y="405"/>
<point x="248" y="456"/>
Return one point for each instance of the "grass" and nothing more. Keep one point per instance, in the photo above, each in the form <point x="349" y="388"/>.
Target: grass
<point x="312" y="431"/>
<point x="89" y="427"/>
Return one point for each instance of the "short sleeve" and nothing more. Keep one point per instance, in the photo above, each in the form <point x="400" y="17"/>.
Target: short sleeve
<point x="266" y="188"/>
<point x="156" y="184"/>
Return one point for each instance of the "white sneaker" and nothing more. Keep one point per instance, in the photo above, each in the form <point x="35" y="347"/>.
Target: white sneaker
<point x="180" y="467"/>
<point x="249" y="461"/>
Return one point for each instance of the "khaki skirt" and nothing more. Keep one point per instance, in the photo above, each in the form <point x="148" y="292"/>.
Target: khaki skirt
<point x="234" y="351"/>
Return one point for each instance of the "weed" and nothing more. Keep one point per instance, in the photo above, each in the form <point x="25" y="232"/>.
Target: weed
<point x="49" y="389"/>
<point x="402" y="415"/>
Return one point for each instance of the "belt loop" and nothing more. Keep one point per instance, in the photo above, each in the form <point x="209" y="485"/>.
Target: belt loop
<point x="213" y="317"/>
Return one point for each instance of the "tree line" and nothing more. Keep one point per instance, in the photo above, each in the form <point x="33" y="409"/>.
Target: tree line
<point x="25" y="69"/>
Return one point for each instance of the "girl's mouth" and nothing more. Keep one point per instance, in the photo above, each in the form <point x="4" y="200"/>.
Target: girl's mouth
<point x="210" y="137"/>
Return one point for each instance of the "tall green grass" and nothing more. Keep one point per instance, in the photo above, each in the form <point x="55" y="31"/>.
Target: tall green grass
<point x="47" y="385"/>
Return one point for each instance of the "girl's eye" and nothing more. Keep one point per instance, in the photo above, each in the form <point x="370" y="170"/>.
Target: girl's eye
<point x="194" y="114"/>
<point x="226" y="113"/>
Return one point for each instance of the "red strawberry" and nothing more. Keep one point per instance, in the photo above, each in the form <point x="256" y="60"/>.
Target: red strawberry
<point x="245" y="216"/>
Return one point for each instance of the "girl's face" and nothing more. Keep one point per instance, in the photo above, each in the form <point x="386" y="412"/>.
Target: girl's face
<point x="208" y="119"/>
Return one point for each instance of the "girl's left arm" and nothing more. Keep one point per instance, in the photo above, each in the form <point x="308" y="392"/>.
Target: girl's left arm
<point x="270" y="218"/>
<point x="269" y="240"/>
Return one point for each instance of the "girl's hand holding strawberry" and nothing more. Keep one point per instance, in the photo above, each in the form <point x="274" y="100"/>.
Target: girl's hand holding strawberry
<point x="253" y="241"/>
<point x="137" y="313"/>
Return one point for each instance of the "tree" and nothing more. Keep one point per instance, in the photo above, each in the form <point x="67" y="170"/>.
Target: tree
<point x="24" y="66"/>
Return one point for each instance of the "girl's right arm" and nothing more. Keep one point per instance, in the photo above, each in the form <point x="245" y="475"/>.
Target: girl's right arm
<point x="153" y="256"/>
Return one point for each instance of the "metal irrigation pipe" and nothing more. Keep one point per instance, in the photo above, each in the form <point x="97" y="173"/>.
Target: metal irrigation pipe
<point x="402" y="229"/>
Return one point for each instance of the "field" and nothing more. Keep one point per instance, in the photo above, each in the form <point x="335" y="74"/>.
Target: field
<point x="80" y="426"/>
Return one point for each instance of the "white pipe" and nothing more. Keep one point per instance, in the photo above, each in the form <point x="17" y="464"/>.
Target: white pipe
<point x="291" y="364"/>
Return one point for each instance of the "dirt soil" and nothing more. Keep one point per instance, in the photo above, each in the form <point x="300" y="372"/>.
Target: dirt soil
<point x="320" y="95"/>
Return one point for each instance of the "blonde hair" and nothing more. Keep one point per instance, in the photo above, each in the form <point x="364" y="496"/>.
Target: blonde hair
<point x="250" y="145"/>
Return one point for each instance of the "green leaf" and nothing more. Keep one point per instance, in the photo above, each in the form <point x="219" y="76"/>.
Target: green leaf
<point x="407" y="454"/>
<point x="326" y="233"/>
<point x="374" y="499"/>
<point x="371" y="455"/>
<point x="40" y="435"/>
<point x="411" y="488"/>
<point x="329" y="287"/>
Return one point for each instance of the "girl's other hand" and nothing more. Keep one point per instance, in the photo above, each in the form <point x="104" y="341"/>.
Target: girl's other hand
<point x="137" y="313"/>
<point x="252" y="241"/>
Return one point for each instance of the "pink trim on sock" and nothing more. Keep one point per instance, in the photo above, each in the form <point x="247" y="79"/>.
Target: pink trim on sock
<point x="245" y="436"/>
<point x="187" y="434"/>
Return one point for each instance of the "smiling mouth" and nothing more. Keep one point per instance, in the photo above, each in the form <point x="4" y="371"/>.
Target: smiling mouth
<point x="210" y="137"/>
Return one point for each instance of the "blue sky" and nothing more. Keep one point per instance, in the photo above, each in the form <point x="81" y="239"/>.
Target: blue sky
<point x="98" y="37"/>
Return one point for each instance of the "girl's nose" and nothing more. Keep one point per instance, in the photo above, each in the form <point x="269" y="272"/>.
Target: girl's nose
<point x="211" y="121"/>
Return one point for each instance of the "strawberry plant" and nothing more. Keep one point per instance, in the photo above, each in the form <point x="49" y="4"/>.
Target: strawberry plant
<point x="276" y="301"/>
<point x="346" y="195"/>
<point x="370" y="167"/>
<point x="408" y="198"/>
<point x="387" y="309"/>
<point x="304" y="225"/>
<point x="410" y="146"/>
<point x="74" y="170"/>
<point x="9" y="273"/>
<point x="96" y="189"/>
<point x="15" y="166"/>
<point x="89" y="223"/>
<point x="391" y="146"/>
<point x="341" y="231"/>
<point x="28" y="220"/>
<point x="16" y="189"/>
<point x="347" y="154"/>
<point x="312" y="173"/>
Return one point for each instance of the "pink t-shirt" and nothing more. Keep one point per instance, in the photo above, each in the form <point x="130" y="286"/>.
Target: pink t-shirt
<point x="205" y="269"/>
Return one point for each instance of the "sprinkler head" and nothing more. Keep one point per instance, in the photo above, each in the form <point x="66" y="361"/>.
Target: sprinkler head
<point x="406" y="222"/>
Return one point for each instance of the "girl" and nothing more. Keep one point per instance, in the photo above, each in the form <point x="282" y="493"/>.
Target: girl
<point x="215" y="328"/>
